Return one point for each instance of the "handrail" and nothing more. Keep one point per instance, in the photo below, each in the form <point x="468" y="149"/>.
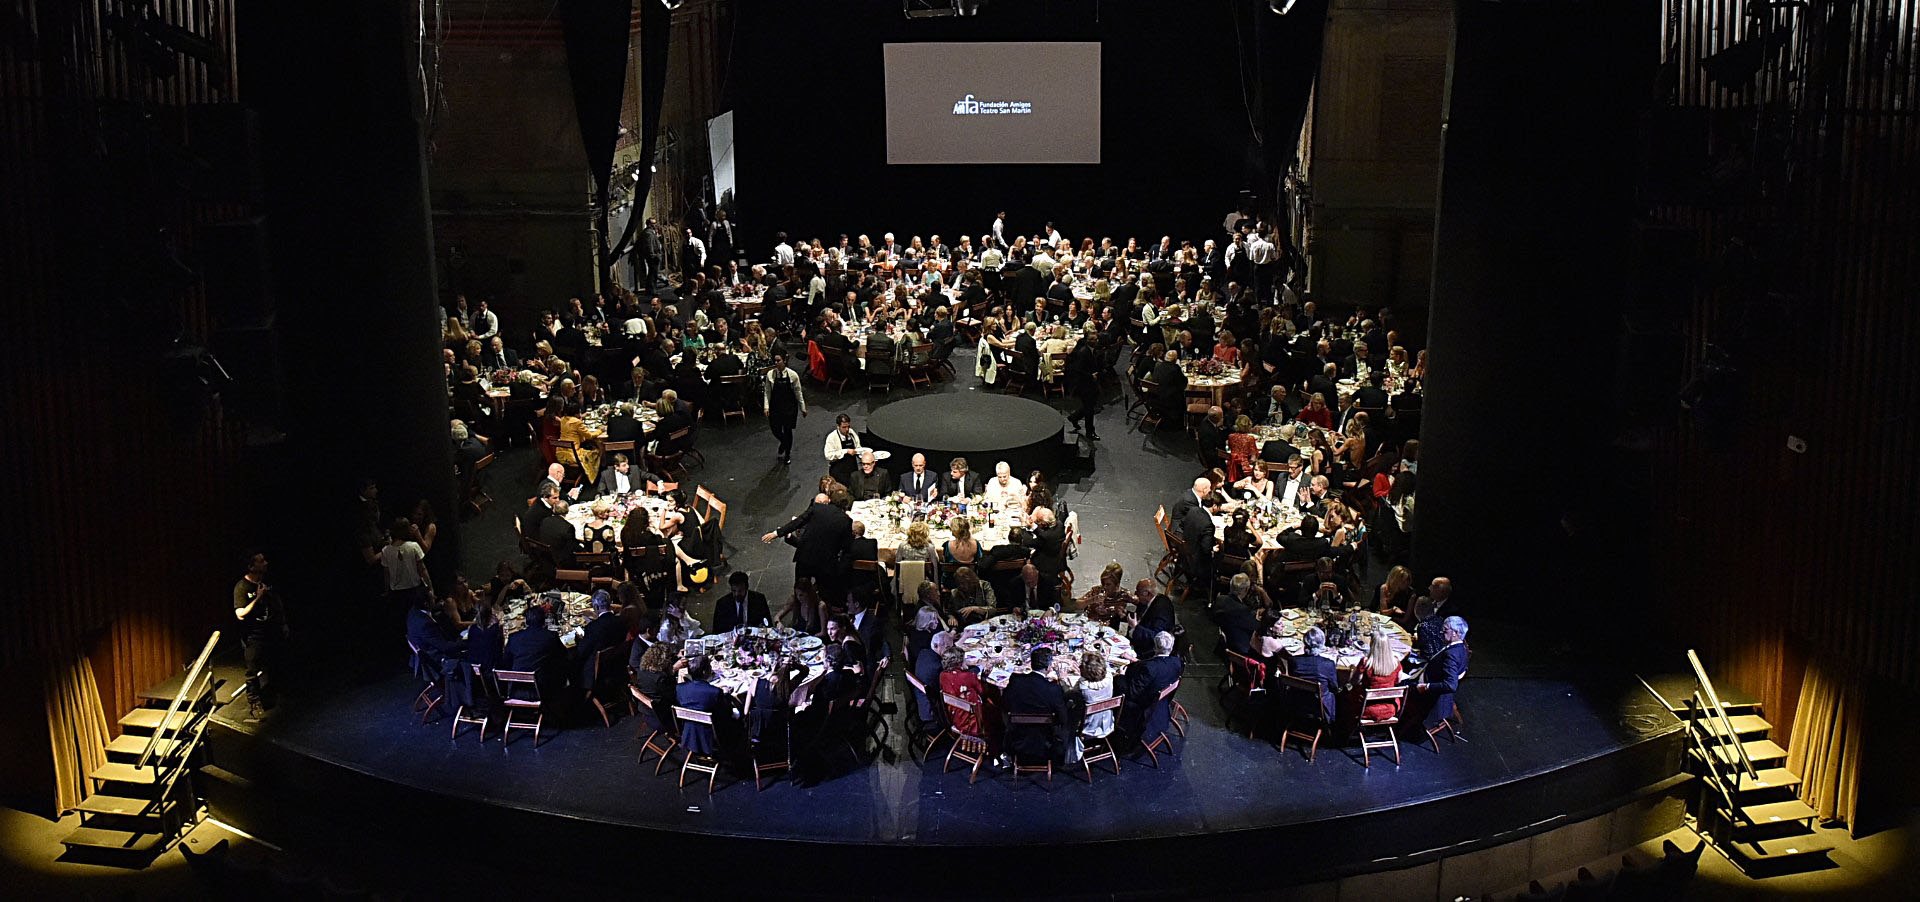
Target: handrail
<point x="1720" y="712"/>
<point x="193" y="676"/>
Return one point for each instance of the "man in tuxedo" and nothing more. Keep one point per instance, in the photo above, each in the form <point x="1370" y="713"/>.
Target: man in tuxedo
<point x="1193" y="519"/>
<point x="959" y="483"/>
<point x="741" y="606"/>
<point x="1211" y="436"/>
<point x="436" y="645"/>
<point x="556" y="472"/>
<point x="1372" y="397"/>
<point x="1035" y="693"/>
<point x="862" y="548"/>
<point x="826" y="534"/>
<point x="541" y="508"/>
<point x="1235" y="619"/>
<point x="1311" y="666"/>
<point x="1143" y="715"/>
<point x="867" y="625"/>
<point x="720" y="243"/>
<point x="871" y="480"/>
<point x="1169" y="394"/>
<point x="621" y="477"/>
<point x="606" y="630"/>
<point x="1432" y="697"/>
<point x="559" y="535"/>
<point x="1083" y="381"/>
<point x="1027" y="348"/>
<point x="917" y="483"/>
<point x="1304" y="542"/>
<point x="1288" y="490"/>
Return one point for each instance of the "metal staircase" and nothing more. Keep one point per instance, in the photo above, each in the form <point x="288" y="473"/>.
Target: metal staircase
<point x="1748" y="806"/>
<point x="143" y="797"/>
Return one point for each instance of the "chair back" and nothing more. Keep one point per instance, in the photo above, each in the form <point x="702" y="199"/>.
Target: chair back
<point x="689" y="715"/>
<point x="912" y="574"/>
<point x="866" y="566"/>
<point x="1045" y="719"/>
<point x="1106" y="704"/>
<point x="512" y="681"/>
<point x="661" y="487"/>
<point x="957" y="703"/>
<point x="716" y="510"/>
<point x="573" y="577"/>
<point x="1395" y="694"/>
<point x="1012" y="566"/>
<point x="1168" y="692"/>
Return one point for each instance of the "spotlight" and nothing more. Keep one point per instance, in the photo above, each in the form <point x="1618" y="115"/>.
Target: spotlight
<point x="1280" y="7"/>
<point x="652" y="168"/>
<point x="672" y="4"/>
<point x="968" y="7"/>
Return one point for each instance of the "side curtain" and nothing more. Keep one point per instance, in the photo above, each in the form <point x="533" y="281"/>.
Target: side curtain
<point x="78" y="726"/>
<point x="1827" y="734"/>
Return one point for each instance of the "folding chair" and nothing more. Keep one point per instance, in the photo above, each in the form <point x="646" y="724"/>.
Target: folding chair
<point x="1032" y="720"/>
<point x="1163" y="740"/>
<point x="513" y="682"/>
<point x="1303" y="694"/>
<point x="1247" y="689"/>
<point x="580" y="579"/>
<point x="606" y="661"/>
<point x="1059" y="383"/>
<point x="431" y="694"/>
<point x="651" y="718"/>
<point x="733" y="393"/>
<point x="475" y="496"/>
<point x="706" y="764"/>
<point x="915" y="736"/>
<point x="1088" y="755"/>
<point x="966" y="747"/>
<point x="460" y="713"/>
<point x="1398" y="696"/>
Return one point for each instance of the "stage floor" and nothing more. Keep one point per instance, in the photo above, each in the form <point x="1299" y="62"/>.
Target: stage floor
<point x="1523" y="721"/>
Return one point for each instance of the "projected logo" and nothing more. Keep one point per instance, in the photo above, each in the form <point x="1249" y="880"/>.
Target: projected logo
<point x="967" y="106"/>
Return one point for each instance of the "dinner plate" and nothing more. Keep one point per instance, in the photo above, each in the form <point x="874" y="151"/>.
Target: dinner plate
<point x="807" y="643"/>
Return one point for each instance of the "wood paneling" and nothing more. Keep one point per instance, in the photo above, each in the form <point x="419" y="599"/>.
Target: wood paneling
<point x="1772" y="554"/>
<point x="120" y="467"/>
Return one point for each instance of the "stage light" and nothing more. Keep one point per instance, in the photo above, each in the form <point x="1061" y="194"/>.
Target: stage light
<point x="1280" y="7"/>
<point x="968" y="7"/>
<point x="672" y="4"/>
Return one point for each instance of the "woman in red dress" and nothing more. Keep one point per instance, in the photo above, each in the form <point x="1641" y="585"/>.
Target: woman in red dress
<point x="1379" y="670"/>
<point x="1243" y="449"/>
<point x="1317" y="413"/>
<point x="962" y="680"/>
<point x="1226" y="350"/>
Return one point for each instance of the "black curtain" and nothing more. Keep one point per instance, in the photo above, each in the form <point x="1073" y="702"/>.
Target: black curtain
<point x="1287" y="50"/>
<point x="656" y="35"/>
<point x="596" y="36"/>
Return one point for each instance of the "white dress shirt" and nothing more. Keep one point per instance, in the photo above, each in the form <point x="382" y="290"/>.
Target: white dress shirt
<point x="834" y="448"/>
<point x="1012" y="494"/>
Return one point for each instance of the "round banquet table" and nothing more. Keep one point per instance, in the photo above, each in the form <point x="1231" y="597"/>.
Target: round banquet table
<point x="1003" y="646"/>
<point x="982" y="427"/>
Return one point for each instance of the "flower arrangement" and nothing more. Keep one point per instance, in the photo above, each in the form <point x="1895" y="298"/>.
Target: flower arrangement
<point x="501" y="376"/>
<point x="1210" y="366"/>
<point x="1039" y="631"/>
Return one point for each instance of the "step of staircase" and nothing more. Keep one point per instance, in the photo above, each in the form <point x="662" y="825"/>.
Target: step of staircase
<point x="148" y="720"/>
<point x="118" y="772"/>
<point x="1779" y="854"/>
<point x="1768" y="780"/>
<point x="1790" y="811"/>
<point x="104" y="804"/>
<point x="1745" y="726"/>
<point x="1762" y="752"/>
<point x="127" y="748"/>
<point x="117" y="843"/>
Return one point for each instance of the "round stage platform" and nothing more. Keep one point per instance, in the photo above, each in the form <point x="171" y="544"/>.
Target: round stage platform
<point x="982" y="427"/>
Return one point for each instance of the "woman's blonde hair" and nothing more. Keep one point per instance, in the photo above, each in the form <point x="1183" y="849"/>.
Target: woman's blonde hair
<point x="602" y="507"/>
<point x="1380" y="658"/>
<point x="1111" y="574"/>
<point x="918" y="535"/>
<point x="960" y="528"/>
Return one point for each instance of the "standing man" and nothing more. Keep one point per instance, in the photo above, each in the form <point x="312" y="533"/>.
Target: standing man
<point x="1083" y="381"/>
<point x="693" y="258"/>
<point x="781" y="399"/>
<point x="1266" y="265"/>
<point x="841" y="450"/>
<point x="999" y="230"/>
<point x="262" y="626"/>
<point x="653" y="252"/>
<point x="721" y="239"/>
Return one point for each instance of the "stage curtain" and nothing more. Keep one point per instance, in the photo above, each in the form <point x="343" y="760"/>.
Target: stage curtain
<point x="1827" y="733"/>
<point x="78" y="726"/>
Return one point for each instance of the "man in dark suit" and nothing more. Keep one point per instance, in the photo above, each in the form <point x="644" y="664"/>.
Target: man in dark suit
<point x="427" y="635"/>
<point x="539" y="510"/>
<point x="919" y="483"/>
<point x="1083" y="381"/>
<point x="826" y="532"/>
<point x="620" y="477"/>
<point x="1432" y="698"/>
<point x="1304" y="542"/>
<point x="1193" y="519"/>
<point x="1143" y="715"/>
<point x="537" y="649"/>
<point x="606" y="630"/>
<point x="1169" y="394"/>
<point x="871" y="480"/>
<point x="699" y="694"/>
<point x="1372" y="397"/>
<point x="1309" y="665"/>
<point x="1027" y="349"/>
<point x="926" y="668"/>
<point x="960" y="482"/>
<point x="559" y="535"/>
<point x="1034" y="693"/>
<point x="1234" y="618"/>
<point x="862" y="548"/>
<point x="880" y="353"/>
<point x="741" y="606"/>
<point x="1124" y="296"/>
<point x="1211" y="436"/>
<point x="1027" y="591"/>
<point x="867" y="625"/>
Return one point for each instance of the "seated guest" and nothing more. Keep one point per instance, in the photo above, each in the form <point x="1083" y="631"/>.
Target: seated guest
<point x="803" y="611"/>
<point x="1005" y="492"/>
<point x="467" y="450"/>
<point x="926" y="668"/>
<point x="597" y="533"/>
<point x="1107" y="602"/>
<point x="539" y="510"/>
<point x="1096" y="685"/>
<point x="963" y="548"/>
<point x="427" y="634"/>
<point x="1236" y="619"/>
<point x="741" y="606"/>
<point x="699" y="694"/>
<point x="919" y="547"/>
<point x="604" y="631"/>
<point x="1035" y="693"/>
<point x="1304" y="542"/>
<point x="1432" y="698"/>
<point x="676" y="626"/>
<point x="962" y="680"/>
<point x="969" y="599"/>
<point x="1310" y="665"/>
<point x="623" y="478"/>
<point x="1153" y="614"/>
<point x="1168" y="397"/>
<point x="918" y="483"/>
<point x="1144" y="715"/>
<point x="958" y="483"/>
<point x="537" y="649"/>
<point x="871" y="480"/>
<point x="1380" y="670"/>
<point x="558" y="534"/>
<point x="486" y="638"/>
<point x="653" y="667"/>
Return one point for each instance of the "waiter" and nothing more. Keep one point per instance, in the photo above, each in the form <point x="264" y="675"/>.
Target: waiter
<point x="842" y="449"/>
<point x="780" y="400"/>
<point x="262" y="626"/>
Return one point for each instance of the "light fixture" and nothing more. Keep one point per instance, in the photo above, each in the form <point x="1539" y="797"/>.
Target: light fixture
<point x="1280" y="7"/>
<point x="672" y="4"/>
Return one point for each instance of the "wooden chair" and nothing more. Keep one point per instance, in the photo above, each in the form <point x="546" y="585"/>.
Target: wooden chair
<point x="599" y="564"/>
<point x="839" y="365"/>
<point x="1298" y="688"/>
<point x="920" y="373"/>
<point x="1103" y="744"/>
<point x="430" y="692"/>
<point x="1398" y="696"/>
<point x="915" y="736"/>
<point x="658" y="731"/>
<point x="1149" y="417"/>
<point x="733" y="394"/>
<point x="879" y="380"/>
<point x="460" y="714"/>
<point x="704" y="764"/>
<point x="1450" y="724"/>
<point x="610" y="660"/>
<point x="579" y="579"/>
<point x="1199" y="401"/>
<point x="570" y="460"/>
<point x="1163" y="740"/>
<point x="1059" y="383"/>
<point x="670" y="460"/>
<point x="1019" y="377"/>
<point x="474" y="496"/>
<point x="1033" y="720"/>
<point x="1247" y="690"/>
<point x="968" y="748"/>
<point x="761" y="767"/>
<point x="513" y="682"/>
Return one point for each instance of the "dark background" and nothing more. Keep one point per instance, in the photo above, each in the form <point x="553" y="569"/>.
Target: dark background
<point x="809" y="93"/>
